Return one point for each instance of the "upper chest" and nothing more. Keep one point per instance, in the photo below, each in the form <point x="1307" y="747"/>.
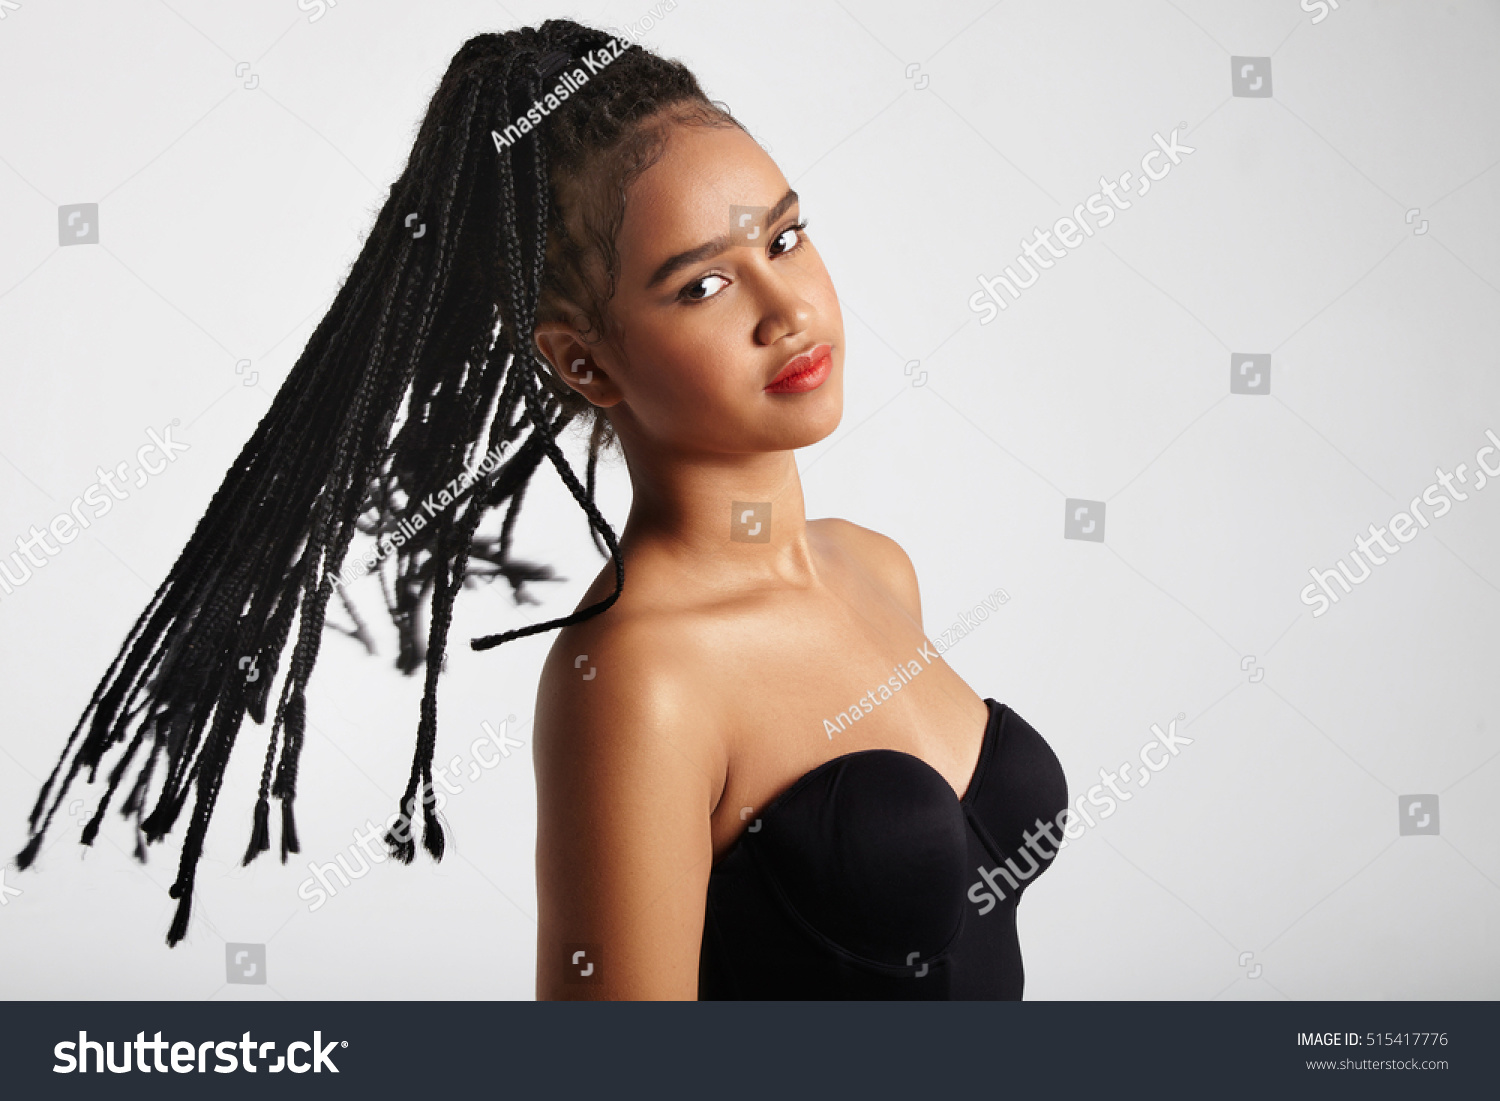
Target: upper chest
<point x="804" y="678"/>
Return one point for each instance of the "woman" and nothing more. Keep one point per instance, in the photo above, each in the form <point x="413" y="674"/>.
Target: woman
<point x="602" y="241"/>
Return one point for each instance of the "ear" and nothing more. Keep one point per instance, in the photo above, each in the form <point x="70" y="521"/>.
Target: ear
<point x="577" y="363"/>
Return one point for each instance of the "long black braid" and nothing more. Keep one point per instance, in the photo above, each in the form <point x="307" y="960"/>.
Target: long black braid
<point x="423" y="364"/>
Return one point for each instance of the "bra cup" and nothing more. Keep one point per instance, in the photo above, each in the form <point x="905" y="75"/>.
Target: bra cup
<point x="871" y="854"/>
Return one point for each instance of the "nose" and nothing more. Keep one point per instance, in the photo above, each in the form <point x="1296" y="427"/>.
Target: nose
<point x="783" y="311"/>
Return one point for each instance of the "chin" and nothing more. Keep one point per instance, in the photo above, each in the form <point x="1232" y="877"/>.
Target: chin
<point x="815" y="419"/>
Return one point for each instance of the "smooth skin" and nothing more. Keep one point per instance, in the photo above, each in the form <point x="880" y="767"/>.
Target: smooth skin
<point x="709" y="679"/>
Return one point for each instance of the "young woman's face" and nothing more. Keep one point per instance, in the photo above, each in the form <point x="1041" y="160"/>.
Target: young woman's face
<point x="718" y="291"/>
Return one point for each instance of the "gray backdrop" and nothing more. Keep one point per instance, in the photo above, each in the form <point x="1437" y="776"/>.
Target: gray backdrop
<point x="1284" y="341"/>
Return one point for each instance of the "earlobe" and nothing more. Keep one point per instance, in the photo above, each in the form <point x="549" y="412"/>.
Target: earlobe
<point x="584" y="375"/>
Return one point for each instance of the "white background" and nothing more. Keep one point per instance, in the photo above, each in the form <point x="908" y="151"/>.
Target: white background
<point x="228" y="216"/>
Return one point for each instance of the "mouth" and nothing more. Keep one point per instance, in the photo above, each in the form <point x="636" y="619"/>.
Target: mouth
<point x="805" y="372"/>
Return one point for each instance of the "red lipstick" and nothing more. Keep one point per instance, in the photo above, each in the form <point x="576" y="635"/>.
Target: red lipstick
<point x="805" y="372"/>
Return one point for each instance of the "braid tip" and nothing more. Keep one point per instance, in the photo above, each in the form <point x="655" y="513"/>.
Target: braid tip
<point x="432" y="833"/>
<point x="260" y="833"/>
<point x="179" y="925"/>
<point x="28" y="854"/>
<point x="398" y="836"/>
<point x="288" y="829"/>
<point x="404" y="851"/>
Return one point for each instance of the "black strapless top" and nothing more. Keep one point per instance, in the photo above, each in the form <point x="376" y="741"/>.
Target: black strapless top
<point x="868" y="878"/>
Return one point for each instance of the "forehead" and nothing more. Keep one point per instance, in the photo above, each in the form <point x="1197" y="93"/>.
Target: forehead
<point x="684" y="199"/>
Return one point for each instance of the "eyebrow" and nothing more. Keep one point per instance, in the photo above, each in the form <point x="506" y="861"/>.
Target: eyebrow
<point x="717" y="245"/>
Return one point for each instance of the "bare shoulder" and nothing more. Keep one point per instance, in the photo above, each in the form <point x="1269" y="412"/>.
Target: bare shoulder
<point x="612" y="671"/>
<point x="630" y="684"/>
<point x="627" y="770"/>
<point x="882" y="556"/>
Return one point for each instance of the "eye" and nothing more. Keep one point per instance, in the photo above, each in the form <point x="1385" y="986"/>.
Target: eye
<point x="687" y="290"/>
<point x="798" y="232"/>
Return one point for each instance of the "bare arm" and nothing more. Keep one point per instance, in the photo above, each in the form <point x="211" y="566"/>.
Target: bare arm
<point x="626" y="781"/>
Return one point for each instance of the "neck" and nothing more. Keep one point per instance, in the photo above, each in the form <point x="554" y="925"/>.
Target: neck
<point x="703" y="511"/>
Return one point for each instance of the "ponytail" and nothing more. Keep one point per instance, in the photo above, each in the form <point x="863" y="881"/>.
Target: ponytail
<point x="423" y="366"/>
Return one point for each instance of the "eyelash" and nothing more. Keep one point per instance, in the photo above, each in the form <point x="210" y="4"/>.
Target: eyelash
<point x="800" y="227"/>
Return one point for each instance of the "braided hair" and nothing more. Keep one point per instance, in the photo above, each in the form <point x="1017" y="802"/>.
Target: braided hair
<point x="424" y="362"/>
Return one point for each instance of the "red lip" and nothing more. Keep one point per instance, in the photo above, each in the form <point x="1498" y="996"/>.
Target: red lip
<point x="805" y="372"/>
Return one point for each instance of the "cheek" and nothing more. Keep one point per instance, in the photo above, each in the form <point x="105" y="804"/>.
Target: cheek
<point x="690" y="371"/>
<point x="820" y="291"/>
